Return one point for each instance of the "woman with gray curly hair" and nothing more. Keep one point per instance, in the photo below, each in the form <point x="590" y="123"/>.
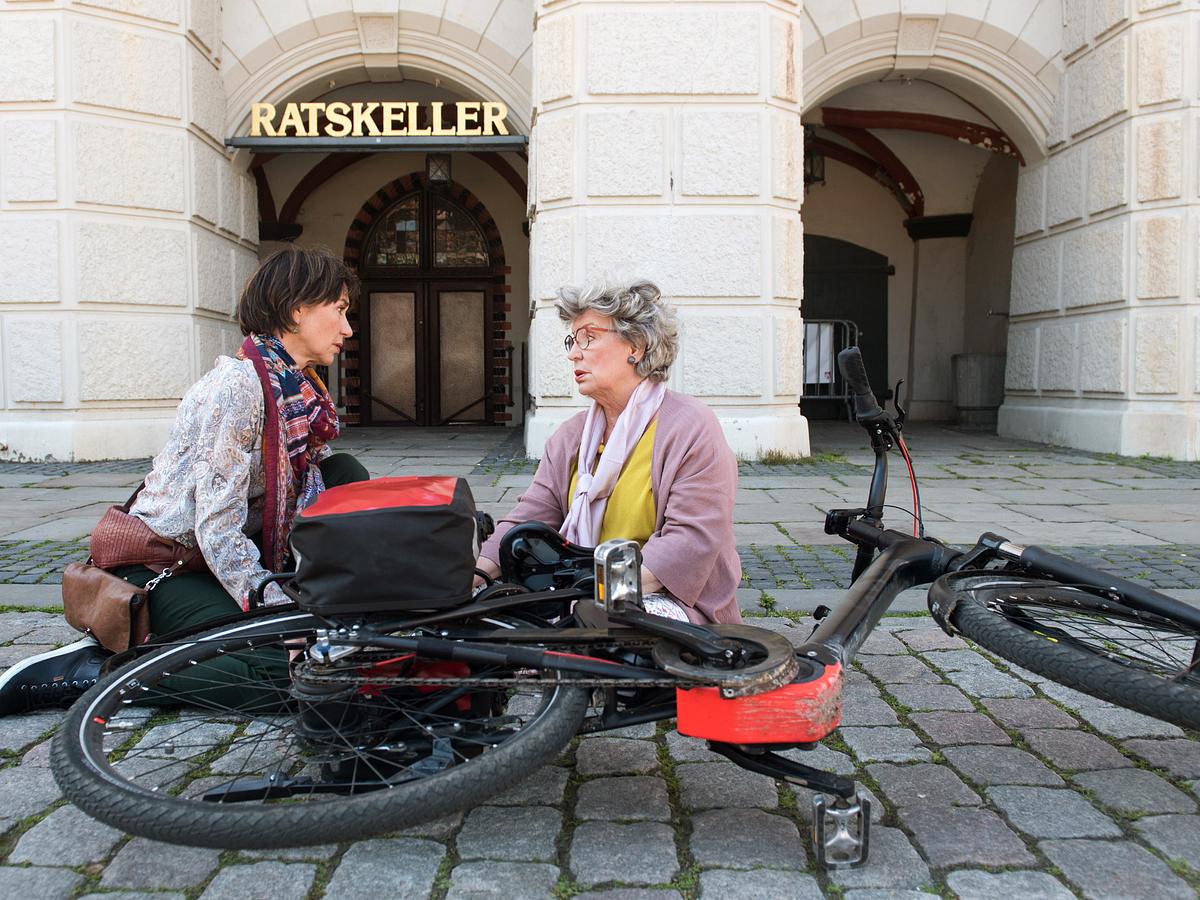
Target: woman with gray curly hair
<point x="642" y="462"/>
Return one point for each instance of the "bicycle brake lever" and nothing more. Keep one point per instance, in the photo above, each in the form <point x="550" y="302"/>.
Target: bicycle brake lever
<point x="901" y="414"/>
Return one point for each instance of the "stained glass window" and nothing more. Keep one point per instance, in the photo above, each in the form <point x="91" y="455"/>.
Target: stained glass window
<point x="457" y="240"/>
<point x="396" y="241"/>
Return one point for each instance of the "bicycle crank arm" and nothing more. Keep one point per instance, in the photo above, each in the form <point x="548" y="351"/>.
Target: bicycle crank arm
<point x="782" y="768"/>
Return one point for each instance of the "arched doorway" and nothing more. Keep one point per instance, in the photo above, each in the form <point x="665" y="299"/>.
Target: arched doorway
<point x="432" y="266"/>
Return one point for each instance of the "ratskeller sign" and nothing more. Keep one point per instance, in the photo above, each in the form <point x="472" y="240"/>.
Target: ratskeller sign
<point x="376" y="119"/>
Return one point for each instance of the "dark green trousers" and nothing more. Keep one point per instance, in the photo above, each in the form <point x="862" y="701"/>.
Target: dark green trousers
<point x="188" y="601"/>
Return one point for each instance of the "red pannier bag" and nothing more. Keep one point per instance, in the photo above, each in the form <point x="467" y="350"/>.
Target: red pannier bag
<point x="386" y="544"/>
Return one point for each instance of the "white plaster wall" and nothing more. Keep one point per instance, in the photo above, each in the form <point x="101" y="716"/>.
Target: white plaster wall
<point x="1102" y="345"/>
<point x="667" y="146"/>
<point x="121" y="224"/>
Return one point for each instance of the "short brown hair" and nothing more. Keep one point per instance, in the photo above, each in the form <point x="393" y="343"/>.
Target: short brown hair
<point x="288" y="279"/>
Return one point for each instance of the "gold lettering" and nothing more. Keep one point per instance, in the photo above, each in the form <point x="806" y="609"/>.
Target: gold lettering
<point x="261" y="119"/>
<point x="292" y="118"/>
<point x="436" y="116"/>
<point x="493" y="118"/>
<point x="413" y="120"/>
<point x="393" y="119"/>
<point x="363" y="123"/>
<point x="312" y="109"/>
<point x="468" y="118"/>
<point x="338" y="115"/>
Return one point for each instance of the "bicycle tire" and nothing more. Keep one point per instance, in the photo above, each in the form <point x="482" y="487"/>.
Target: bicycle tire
<point x="1079" y="638"/>
<point x="154" y="799"/>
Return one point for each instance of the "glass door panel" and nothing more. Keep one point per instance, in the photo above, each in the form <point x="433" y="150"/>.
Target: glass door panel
<point x="393" y="391"/>
<point x="462" y="343"/>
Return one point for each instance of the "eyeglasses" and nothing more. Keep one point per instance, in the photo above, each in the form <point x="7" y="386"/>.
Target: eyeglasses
<point x="584" y="341"/>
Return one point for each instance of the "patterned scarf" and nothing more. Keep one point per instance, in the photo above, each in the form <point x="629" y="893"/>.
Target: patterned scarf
<point x="299" y="419"/>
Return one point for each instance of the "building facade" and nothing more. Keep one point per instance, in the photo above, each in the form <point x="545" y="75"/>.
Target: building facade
<point x="995" y="200"/>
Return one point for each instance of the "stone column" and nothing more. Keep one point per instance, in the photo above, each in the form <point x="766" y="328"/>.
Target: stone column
<point x="667" y="145"/>
<point x="1104" y="330"/>
<point x="124" y="230"/>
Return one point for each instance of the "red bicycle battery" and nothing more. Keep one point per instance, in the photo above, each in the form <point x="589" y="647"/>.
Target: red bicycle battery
<point x="796" y="713"/>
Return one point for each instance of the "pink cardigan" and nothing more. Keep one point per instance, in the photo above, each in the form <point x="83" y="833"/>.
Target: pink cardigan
<point x="693" y="476"/>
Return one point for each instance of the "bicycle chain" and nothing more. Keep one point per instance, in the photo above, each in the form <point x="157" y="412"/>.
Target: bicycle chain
<point x="501" y="682"/>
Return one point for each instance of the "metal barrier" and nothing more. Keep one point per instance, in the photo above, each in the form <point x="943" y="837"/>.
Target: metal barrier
<point x="823" y="340"/>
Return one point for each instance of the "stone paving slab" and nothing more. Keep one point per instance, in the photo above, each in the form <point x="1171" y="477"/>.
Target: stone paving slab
<point x="986" y="780"/>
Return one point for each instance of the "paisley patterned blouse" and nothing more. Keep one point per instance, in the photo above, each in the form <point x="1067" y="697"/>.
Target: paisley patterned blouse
<point x="206" y="486"/>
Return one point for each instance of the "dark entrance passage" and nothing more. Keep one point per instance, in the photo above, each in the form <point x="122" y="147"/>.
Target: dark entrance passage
<point x="843" y="281"/>
<point x="426" y="313"/>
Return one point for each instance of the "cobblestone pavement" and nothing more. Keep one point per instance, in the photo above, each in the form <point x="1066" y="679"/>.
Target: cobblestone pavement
<point x="988" y="781"/>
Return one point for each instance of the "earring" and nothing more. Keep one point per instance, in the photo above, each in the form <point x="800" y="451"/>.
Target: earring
<point x="632" y="360"/>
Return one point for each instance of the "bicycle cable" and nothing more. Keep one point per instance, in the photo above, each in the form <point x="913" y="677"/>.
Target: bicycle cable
<point x="918" y="518"/>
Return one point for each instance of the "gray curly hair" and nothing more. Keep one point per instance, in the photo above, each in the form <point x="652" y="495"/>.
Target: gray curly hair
<point x="639" y="314"/>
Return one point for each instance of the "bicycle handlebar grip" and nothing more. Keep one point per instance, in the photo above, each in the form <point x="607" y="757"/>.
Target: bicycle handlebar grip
<point x="851" y="364"/>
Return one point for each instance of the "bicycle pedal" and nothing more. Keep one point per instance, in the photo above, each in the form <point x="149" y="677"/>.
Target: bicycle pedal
<point x="841" y="830"/>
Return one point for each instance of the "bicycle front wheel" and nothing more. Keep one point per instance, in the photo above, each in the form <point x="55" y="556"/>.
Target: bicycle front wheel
<point x="234" y="739"/>
<point x="1081" y="639"/>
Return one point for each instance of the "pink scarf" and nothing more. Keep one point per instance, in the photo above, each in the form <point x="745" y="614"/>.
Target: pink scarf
<point x="582" y="525"/>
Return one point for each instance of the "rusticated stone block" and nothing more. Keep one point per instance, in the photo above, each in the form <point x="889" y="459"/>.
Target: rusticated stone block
<point x="722" y="153"/>
<point x="788" y="362"/>
<point x="1075" y="30"/>
<point x="1056" y="362"/>
<point x="625" y="153"/>
<point x="722" y="355"/>
<point x="248" y="227"/>
<point x="555" y="168"/>
<point x="1156" y="353"/>
<point x="34" y="367"/>
<point x="214" y="339"/>
<point x="1096" y="85"/>
<point x="123" y="68"/>
<point x="159" y="10"/>
<point x="1108" y="14"/>
<point x="160" y="345"/>
<point x="553" y="253"/>
<point x="29" y="260"/>
<point x="1159" y="159"/>
<point x="785" y="59"/>
<point x="1031" y="193"/>
<point x="1020" y="370"/>
<point x="700" y="255"/>
<point x="27" y="63"/>
<point x="552" y="373"/>
<point x="1159" y="252"/>
<point x="204" y="21"/>
<point x="135" y="166"/>
<point x="697" y="50"/>
<point x="1064" y="186"/>
<point x="1035" y="276"/>
<point x="555" y="49"/>
<point x="206" y="99"/>
<point x="206" y="194"/>
<point x="214" y="271"/>
<point x="117" y="262"/>
<point x="788" y="255"/>
<point x="1102" y="357"/>
<point x="1107" y="154"/>
<point x="245" y="263"/>
<point x="30" y="165"/>
<point x="229" y="211"/>
<point x="1160" y="63"/>
<point x="787" y="154"/>
<point x="1094" y="264"/>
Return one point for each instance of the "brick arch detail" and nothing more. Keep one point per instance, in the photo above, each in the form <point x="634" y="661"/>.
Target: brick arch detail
<point x="500" y="307"/>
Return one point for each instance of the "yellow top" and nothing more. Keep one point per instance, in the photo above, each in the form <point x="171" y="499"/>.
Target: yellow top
<point x="630" y="513"/>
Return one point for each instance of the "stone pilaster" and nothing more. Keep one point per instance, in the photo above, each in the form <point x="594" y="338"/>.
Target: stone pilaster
<point x="125" y="232"/>
<point x="667" y="145"/>
<point x="1105" y="318"/>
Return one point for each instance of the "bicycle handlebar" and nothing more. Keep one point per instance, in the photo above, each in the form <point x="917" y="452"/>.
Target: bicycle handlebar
<point x="855" y="373"/>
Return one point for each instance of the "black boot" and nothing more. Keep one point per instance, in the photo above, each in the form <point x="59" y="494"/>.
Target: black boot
<point x="54" y="678"/>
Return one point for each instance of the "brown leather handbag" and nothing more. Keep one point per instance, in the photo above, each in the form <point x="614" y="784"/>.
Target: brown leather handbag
<point x="111" y="609"/>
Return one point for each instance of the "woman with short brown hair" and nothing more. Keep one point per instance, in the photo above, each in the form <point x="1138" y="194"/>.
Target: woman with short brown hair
<point x="247" y="451"/>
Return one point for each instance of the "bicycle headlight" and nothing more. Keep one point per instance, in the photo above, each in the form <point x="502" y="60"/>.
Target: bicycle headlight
<point x="618" y="574"/>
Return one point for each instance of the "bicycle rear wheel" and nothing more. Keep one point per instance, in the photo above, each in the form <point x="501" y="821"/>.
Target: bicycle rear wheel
<point x="306" y="754"/>
<point x="1081" y="639"/>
